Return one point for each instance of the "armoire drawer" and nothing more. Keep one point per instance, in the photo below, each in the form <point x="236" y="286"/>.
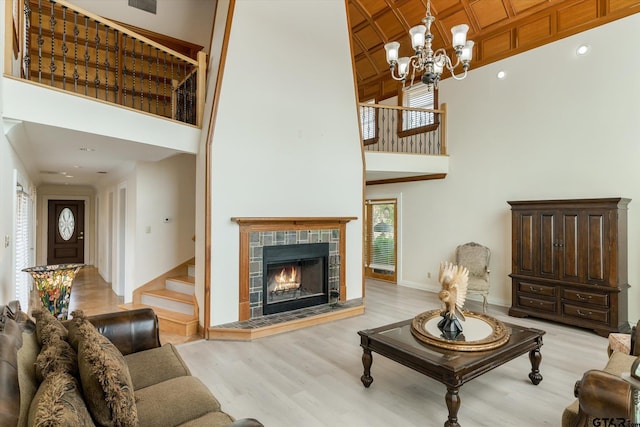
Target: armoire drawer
<point x="538" y="304"/>
<point x="586" y="297"/>
<point x="585" y="313"/>
<point x="531" y="288"/>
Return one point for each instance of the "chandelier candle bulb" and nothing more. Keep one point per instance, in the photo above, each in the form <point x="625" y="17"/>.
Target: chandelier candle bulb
<point x="459" y="36"/>
<point x="403" y="65"/>
<point x="392" y="51"/>
<point x="467" y="52"/>
<point x="417" y="36"/>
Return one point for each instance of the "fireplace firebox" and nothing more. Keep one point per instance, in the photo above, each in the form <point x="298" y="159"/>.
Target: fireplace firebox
<point x="294" y="276"/>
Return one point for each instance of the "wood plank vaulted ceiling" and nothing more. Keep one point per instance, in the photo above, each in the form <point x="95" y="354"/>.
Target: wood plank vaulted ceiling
<point x="499" y="28"/>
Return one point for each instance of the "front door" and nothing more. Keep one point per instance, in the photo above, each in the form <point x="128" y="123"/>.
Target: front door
<point x="65" y="241"/>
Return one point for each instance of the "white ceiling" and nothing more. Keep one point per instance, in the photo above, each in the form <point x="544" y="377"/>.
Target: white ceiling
<point x="54" y="155"/>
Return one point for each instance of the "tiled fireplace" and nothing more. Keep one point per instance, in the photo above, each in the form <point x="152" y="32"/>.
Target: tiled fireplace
<point x="290" y="263"/>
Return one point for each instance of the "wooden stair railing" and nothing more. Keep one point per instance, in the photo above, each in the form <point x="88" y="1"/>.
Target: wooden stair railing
<point x="66" y="47"/>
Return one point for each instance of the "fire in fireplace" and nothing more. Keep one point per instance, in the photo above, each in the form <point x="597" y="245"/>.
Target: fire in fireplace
<point x="294" y="276"/>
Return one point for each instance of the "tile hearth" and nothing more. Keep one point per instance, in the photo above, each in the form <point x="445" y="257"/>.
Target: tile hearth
<point x="303" y="313"/>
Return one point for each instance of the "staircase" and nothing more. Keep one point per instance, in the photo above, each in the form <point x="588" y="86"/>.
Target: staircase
<point x="174" y="304"/>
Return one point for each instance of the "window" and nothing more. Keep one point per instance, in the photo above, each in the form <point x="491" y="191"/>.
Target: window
<point x="380" y="239"/>
<point x="411" y="122"/>
<point x="22" y="245"/>
<point x="369" y="123"/>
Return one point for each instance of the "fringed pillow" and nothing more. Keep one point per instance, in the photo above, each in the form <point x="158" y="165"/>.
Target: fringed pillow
<point x="78" y="318"/>
<point x="43" y="318"/>
<point x="106" y="382"/>
<point x="59" y="403"/>
<point x="57" y="355"/>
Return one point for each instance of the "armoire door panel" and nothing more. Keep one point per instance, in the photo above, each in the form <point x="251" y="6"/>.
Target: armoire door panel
<point x="526" y="246"/>
<point x="596" y="250"/>
<point x="569" y="247"/>
<point x="548" y="243"/>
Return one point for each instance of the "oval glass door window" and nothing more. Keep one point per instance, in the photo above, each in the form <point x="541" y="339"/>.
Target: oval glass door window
<point x="66" y="223"/>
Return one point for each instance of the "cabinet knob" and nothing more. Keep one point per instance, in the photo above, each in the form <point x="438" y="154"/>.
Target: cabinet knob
<point x="532" y="289"/>
<point x="584" y="298"/>
<point x="584" y="314"/>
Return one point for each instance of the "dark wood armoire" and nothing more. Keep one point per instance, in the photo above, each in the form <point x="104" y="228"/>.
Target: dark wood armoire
<point x="569" y="262"/>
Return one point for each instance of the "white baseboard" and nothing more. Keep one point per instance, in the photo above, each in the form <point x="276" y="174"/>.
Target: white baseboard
<point x="435" y="288"/>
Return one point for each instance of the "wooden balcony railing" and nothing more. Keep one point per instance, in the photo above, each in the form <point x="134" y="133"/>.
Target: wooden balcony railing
<point x="63" y="46"/>
<point x="394" y="129"/>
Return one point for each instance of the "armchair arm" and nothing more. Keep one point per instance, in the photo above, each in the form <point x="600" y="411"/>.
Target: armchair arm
<point x="635" y="340"/>
<point x="603" y="395"/>
<point x="131" y="331"/>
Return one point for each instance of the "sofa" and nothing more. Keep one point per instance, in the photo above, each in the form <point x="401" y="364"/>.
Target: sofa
<point x="602" y="394"/>
<point x="104" y="370"/>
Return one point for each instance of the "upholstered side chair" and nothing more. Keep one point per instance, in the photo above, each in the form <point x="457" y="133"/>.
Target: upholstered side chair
<point x="476" y="258"/>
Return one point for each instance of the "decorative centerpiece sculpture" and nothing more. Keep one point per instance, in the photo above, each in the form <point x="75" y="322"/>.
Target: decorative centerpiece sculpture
<point x="443" y="328"/>
<point x="454" y="280"/>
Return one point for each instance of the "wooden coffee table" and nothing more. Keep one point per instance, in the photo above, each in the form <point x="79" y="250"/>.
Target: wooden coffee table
<point x="451" y="368"/>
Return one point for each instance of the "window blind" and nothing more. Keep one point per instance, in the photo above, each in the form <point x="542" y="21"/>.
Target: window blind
<point x="418" y="96"/>
<point x="22" y="244"/>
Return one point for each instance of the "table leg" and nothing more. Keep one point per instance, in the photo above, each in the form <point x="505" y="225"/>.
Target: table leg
<point x="535" y="357"/>
<point x="453" y="404"/>
<point x="367" y="360"/>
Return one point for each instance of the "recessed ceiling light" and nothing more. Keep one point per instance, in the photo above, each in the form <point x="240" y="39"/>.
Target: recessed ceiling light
<point x="77" y="166"/>
<point x="583" y="49"/>
<point x="87" y="149"/>
<point x="68" y="176"/>
<point x="501" y="74"/>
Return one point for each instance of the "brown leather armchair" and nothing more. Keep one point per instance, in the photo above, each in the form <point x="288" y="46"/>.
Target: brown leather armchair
<point x="603" y="395"/>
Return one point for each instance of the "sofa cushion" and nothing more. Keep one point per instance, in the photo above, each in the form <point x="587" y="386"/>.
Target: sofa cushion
<point x="155" y="365"/>
<point x="212" y="419"/>
<point x="58" y="402"/>
<point x="174" y="402"/>
<point x="105" y="379"/>
<point x="27" y="355"/>
<point x="44" y="318"/>
<point x="56" y="355"/>
<point x="619" y="363"/>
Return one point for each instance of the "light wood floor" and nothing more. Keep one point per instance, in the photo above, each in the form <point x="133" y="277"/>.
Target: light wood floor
<point x="91" y="294"/>
<point x="311" y="377"/>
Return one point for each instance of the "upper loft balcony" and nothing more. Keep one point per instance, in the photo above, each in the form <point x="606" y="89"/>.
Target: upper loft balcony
<point x="71" y="75"/>
<point x="403" y="144"/>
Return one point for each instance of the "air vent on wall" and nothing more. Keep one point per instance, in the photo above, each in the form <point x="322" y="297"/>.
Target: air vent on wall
<point x="146" y="5"/>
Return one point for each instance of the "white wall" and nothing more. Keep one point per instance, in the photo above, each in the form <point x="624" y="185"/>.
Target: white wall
<point x="286" y="140"/>
<point x="190" y="22"/>
<point x="152" y="192"/>
<point x="559" y="126"/>
<point x="165" y="190"/>
<point x="11" y="167"/>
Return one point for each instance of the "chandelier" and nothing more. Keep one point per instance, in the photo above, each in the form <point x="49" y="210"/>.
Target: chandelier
<point x="425" y="60"/>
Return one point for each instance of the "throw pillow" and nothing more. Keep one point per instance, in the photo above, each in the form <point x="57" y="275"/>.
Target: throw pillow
<point x="43" y="318"/>
<point x="59" y="403"/>
<point x="78" y="317"/>
<point x="106" y="382"/>
<point x="57" y="355"/>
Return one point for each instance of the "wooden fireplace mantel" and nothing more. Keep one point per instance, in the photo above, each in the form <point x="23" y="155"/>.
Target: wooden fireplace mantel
<point x="295" y="221"/>
<point x="253" y="224"/>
